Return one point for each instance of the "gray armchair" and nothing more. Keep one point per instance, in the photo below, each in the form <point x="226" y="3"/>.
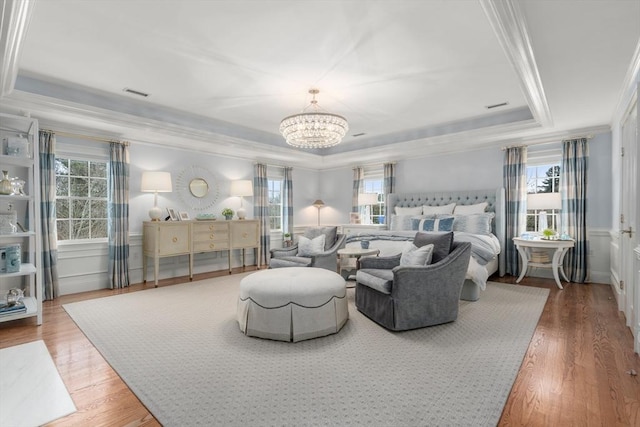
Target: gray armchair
<point x="288" y="257"/>
<point x="409" y="297"/>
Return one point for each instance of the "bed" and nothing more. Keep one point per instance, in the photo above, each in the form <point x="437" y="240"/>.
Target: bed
<point x="488" y="240"/>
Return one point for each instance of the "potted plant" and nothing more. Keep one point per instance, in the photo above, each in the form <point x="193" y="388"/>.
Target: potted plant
<point x="548" y="234"/>
<point x="287" y="239"/>
<point x="228" y="213"/>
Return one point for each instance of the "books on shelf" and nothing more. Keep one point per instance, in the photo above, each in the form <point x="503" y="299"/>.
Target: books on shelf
<point x="6" y="309"/>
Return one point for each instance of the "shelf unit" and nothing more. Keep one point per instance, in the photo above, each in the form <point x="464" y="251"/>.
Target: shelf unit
<point x="29" y="278"/>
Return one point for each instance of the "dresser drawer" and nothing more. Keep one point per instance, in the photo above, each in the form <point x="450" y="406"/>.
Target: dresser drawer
<point x="174" y="240"/>
<point x="208" y="246"/>
<point x="203" y="227"/>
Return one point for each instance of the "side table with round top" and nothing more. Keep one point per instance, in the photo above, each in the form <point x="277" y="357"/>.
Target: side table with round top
<point x="354" y="252"/>
<point x="560" y="248"/>
<point x="292" y="304"/>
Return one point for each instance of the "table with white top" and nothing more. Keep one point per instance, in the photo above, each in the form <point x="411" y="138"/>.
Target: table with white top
<point x="354" y="252"/>
<point x="560" y="248"/>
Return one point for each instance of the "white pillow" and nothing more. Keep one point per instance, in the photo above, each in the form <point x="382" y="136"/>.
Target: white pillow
<point x="414" y="255"/>
<point x="408" y="211"/>
<point x="437" y="210"/>
<point x="400" y="222"/>
<point x="470" y="209"/>
<point x="308" y="247"/>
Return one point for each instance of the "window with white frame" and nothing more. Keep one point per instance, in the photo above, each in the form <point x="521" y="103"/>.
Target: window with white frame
<point x="543" y="197"/>
<point x="371" y="199"/>
<point x="81" y="199"/>
<point x="275" y="203"/>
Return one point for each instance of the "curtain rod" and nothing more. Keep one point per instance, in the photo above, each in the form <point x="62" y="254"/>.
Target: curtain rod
<point x="589" y="136"/>
<point x="93" y="138"/>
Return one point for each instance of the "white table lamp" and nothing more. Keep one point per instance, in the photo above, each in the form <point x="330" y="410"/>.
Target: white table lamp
<point x="156" y="182"/>
<point x="242" y="188"/>
<point x="367" y="200"/>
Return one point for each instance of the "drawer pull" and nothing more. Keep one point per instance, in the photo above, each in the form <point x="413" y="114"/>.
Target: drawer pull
<point x="211" y="236"/>
<point x="211" y="227"/>
<point x="174" y="240"/>
<point x="211" y="246"/>
<point x="245" y="235"/>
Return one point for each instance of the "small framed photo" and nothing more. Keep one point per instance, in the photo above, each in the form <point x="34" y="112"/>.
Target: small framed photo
<point x="354" y="218"/>
<point x="184" y="216"/>
<point x="172" y="214"/>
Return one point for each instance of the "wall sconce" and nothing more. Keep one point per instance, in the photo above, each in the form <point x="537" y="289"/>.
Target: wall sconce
<point x="155" y="182"/>
<point x="242" y="188"/>
<point x="319" y="204"/>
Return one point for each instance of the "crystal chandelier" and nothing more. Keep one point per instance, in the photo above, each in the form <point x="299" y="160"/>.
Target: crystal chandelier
<point x="314" y="129"/>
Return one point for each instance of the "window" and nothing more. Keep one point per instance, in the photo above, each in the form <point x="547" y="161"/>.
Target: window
<point x="275" y="204"/>
<point x="543" y="197"/>
<point x="373" y="213"/>
<point x="81" y="199"/>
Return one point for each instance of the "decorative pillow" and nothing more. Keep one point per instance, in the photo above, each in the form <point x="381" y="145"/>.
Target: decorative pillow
<point x="470" y="209"/>
<point x="400" y="222"/>
<point x="441" y="223"/>
<point x="434" y="210"/>
<point x="442" y="243"/>
<point x="474" y="223"/>
<point x="309" y="247"/>
<point x="414" y="255"/>
<point x="408" y="211"/>
<point x="330" y="235"/>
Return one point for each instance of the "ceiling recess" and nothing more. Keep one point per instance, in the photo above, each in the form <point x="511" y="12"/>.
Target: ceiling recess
<point x="135" y="92"/>
<point x="502" y="104"/>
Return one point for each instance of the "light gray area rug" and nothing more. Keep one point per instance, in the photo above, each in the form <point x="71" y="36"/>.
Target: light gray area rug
<point x="180" y="350"/>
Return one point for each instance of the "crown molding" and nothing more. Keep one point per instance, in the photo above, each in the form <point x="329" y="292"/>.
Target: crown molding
<point x="630" y="86"/>
<point x="15" y="15"/>
<point x="510" y="28"/>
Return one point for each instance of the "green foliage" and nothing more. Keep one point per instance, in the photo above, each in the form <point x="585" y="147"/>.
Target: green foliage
<point x="227" y="212"/>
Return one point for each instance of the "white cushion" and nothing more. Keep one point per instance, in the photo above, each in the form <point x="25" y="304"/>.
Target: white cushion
<point x="414" y="255"/>
<point x="308" y="247"/>
<point x="437" y="210"/>
<point x="470" y="209"/>
<point x="400" y="223"/>
<point x="408" y="211"/>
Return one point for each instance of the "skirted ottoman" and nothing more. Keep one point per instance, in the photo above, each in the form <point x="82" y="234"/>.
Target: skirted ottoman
<point x="292" y="304"/>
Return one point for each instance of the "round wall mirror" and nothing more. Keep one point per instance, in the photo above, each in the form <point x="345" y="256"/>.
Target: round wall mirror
<point x="198" y="187"/>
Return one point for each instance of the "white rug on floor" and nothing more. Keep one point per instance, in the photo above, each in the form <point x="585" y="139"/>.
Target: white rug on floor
<point x="31" y="390"/>
<point x="180" y="350"/>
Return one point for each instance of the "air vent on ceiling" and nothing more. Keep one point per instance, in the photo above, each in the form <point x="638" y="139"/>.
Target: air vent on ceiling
<point x="359" y="134"/>
<point x="502" y="104"/>
<point x="135" y="92"/>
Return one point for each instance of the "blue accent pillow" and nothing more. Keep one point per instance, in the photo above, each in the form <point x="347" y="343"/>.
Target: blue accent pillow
<point x="433" y="224"/>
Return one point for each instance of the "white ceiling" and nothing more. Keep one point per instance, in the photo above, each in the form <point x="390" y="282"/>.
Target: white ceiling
<point x="414" y="76"/>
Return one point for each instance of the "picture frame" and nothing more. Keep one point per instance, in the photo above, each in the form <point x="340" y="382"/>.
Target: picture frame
<point x="354" y="218"/>
<point x="172" y="214"/>
<point x="184" y="216"/>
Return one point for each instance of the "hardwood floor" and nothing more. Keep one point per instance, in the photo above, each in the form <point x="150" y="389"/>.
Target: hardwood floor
<point x="574" y="373"/>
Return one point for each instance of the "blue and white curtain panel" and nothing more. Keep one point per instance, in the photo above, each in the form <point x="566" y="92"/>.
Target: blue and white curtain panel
<point x="261" y="208"/>
<point x="118" y="214"/>
<point x="573" y="182"/>
<point x="514" y="174"/>
<point x="358" y="183"/>
<point x="389" y="179"/>
<point x="287" y="202"/>
<point x="50" y="283"/>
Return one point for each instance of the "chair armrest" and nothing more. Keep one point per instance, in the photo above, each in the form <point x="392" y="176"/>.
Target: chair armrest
<point x="380" y="262"/>
<point x="282" y="252"/>
<point x="449" y="273"/>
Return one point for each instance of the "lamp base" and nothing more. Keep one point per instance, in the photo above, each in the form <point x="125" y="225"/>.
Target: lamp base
<point x="242" y="213"/>
<point x="155" y="213"/>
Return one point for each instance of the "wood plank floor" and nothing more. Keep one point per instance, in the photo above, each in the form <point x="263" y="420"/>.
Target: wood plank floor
<point x="574" y="373"/>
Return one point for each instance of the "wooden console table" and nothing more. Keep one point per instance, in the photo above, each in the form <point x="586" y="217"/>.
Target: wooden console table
<point x="172" y="238"/>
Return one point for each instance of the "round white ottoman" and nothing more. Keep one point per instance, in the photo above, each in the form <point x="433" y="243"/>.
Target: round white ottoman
<point x="292" y="304"/>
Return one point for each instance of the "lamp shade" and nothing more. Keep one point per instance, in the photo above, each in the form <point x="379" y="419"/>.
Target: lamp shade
<point x="544" y="201"/>
<point x="366" y="199"/>
<point x="318" y="203"/>
<point x="242" y="187"/>
<point x="153" y="181"/>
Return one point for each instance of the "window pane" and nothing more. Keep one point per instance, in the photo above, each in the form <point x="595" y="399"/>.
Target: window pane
<point x="62" y="208"/>
<point x="98" y="209"/>
<point x="62" y="166"/>
<point x="80" y="229"/>
<point x="79" y="168"/>
<point x="98" y="170"/>
<point x="80" y="209"/>
<point x="98" y="228"/>
<point x="62" y="186"/>
<point x="79" y="187"/>
<point x="63" y="229"/>
<point x="98" y="187"/>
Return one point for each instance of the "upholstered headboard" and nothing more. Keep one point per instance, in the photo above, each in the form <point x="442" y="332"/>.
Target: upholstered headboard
<point x="494" y="197"/>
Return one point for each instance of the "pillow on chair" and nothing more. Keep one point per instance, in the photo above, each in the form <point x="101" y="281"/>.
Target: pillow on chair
<point x="330" y="235"/>
<point x="309" y="247"/>
<point x="417" y="256"/>
<point x="442" y="243"/>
